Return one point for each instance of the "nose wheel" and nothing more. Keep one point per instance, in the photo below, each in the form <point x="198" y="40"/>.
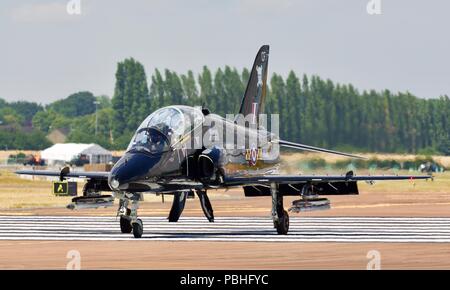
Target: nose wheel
<point x="138" y="228"/>
<point x="125" y="225"/>
<point x="125" y="219"/>
<point x="129" y="221"/>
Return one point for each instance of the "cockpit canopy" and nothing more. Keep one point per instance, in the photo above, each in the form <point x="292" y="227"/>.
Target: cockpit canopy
<point x="165" y="128"/>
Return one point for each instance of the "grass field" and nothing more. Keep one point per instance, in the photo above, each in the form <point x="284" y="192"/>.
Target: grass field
<point x="20" y="193"/>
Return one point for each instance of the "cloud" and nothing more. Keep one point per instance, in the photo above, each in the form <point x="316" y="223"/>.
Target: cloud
<point x="42" y="12"/>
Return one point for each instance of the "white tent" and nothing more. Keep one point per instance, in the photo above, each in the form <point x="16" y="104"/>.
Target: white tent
<point x="62" y="153"/>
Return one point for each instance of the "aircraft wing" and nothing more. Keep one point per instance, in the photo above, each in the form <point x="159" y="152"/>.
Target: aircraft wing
<point x="293" y="179"/>
<point x="87" y="175"/>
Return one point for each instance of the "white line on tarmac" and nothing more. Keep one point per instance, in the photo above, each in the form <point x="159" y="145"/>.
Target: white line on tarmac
<point x="242" y="229"/>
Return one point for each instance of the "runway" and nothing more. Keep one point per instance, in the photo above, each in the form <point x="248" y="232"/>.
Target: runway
<point x="230" y="229"/>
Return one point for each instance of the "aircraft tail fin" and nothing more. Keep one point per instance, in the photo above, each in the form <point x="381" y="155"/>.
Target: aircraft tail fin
<point x="255" y="93"/>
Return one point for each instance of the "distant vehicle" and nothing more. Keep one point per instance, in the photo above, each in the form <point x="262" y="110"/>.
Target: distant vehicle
<point x="30" y="159"/>
<point x="34" y="160"/>
<point x="157" y="160"/>
<point x="79" y="161"/>
<point x="429" y="167"/>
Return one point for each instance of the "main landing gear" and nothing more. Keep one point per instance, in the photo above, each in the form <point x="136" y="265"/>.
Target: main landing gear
<point x="129" y="222"/>
<point x="179" y="200"/>
<point x="279" y="215"/>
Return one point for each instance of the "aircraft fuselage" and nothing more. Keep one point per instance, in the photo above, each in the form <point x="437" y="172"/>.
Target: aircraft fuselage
<point x="198" y="158"/>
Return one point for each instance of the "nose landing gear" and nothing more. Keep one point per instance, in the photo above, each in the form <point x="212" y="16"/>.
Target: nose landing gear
<point x="124" y="212"/>
<point x="129" y="222"/>
<point x="138" y="228"/>
<point x="125" y="225"/>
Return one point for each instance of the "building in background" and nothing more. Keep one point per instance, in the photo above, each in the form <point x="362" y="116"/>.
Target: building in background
<point x="75" y="154"/>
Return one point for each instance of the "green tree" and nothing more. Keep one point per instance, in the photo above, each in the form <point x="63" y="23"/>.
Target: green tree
<point x="190" y="89"/>
<point x="234" y="90"/>
<point x="131" y="101"/>
<point x="293" y="96"/>
<point x="26" y="110"/>
<point x="157" y="91"/>
<point x="205" y="81"/>
<point x="42" y="120"/>
<point x="173" y="88"/>
<point x="78" y="104"/>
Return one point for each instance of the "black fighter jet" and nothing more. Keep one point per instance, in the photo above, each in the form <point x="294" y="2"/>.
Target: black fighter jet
<point x="180" y="150"/>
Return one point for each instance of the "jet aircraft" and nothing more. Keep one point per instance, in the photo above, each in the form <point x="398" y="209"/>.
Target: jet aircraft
<point x="179" y="150"/>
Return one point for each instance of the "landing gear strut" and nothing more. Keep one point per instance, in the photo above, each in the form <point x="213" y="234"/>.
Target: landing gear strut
<point x="282" y="225"/>
<point x="279" y="215"/>
<point x="206" y="205"/>
<point x="128" y="216"/>
<point x="179" y="200"/>
<point x="138" y="227"/>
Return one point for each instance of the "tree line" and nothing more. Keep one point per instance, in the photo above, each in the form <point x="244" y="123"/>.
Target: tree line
<point x="312" y="110"/>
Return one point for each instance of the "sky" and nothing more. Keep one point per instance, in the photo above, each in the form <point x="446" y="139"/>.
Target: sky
<point x="46" y="53"/>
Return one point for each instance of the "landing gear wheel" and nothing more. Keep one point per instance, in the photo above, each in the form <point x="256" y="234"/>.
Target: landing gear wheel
<point x="282" y="225"/>
<point x="125" y="225"/>
<point x="138" y="228"/>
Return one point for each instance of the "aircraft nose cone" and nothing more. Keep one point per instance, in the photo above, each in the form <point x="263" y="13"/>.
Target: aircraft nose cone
<point x="132" y="167"/>
<point x="114" y="183"/>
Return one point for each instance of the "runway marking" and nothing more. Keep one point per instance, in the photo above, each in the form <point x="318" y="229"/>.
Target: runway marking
<point x="229" y="229"/>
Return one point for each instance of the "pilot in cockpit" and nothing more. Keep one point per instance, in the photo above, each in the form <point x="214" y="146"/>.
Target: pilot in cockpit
<point x="156" y="141"/>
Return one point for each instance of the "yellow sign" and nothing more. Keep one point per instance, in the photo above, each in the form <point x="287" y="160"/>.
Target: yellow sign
<point x="60" y="188"/>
